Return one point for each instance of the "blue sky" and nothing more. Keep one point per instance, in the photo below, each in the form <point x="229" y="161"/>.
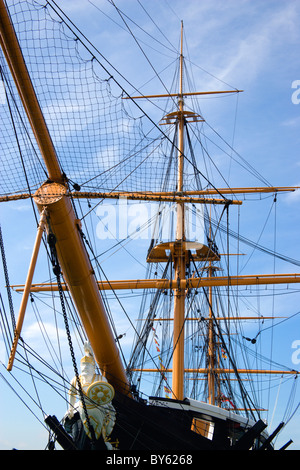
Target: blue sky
<point x="251" y="45"/>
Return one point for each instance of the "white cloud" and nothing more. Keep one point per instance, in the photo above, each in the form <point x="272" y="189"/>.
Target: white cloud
<point x="294" y="197"/>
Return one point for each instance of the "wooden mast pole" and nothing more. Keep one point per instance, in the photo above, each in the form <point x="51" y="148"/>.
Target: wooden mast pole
<point x="26" y="292"/>
<point x="72" y="255"/>
<point x="211" y="339"/>
<point x="189" y="283"/>
<point x="186" y="196"/>
<point x="179" y="256"/>
<point x="211" y="347"/>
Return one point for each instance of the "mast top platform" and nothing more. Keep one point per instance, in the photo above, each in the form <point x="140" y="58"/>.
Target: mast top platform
<point x="191" y="250"/>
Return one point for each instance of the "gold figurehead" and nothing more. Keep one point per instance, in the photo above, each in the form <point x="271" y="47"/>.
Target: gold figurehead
<point x="98" y="395"/>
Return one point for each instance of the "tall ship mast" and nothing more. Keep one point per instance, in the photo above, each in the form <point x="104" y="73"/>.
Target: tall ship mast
<point x="184" y="384"/>
<point x="180" y="248"/>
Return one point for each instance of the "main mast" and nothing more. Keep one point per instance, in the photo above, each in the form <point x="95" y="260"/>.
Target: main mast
<point x="180" y="260"/>
<point x="179" y="253"/>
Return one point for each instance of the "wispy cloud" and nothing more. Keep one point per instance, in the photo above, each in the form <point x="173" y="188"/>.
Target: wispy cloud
<point x="293" y="122"/>
<point x="249" y="36"/>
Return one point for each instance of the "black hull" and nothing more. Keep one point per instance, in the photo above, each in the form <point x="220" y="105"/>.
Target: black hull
<point x="145" y="427"/>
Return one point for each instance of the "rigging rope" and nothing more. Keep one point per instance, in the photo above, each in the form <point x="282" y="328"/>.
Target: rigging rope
<point x="7" y="283"/>
<point x="57" y="272"/>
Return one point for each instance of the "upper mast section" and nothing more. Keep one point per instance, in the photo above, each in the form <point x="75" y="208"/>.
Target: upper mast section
<point x="180" y="116"/>
<point x="181" y="61"/>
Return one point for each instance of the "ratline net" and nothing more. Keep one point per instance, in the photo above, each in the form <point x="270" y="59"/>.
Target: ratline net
<point x="101" y="145"/>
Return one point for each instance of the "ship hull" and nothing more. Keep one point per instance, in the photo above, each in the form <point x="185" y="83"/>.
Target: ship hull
<point x="170" y="425"/>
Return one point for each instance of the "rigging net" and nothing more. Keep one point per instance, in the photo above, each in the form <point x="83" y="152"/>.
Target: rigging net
<point x="101" y="144"/>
